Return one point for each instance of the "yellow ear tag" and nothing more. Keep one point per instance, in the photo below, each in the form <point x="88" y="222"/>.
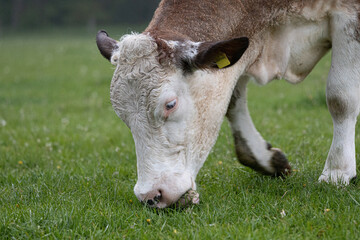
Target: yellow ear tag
<point x="222" y="61"/>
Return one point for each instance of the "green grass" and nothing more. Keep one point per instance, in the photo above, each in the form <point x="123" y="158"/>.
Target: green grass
<point x="68" y="166"/>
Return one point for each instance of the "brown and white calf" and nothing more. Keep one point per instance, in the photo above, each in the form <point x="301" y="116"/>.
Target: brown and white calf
<point x="175" y="82"/>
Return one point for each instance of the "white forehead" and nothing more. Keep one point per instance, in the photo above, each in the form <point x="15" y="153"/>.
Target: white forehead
<point x="141" y="84"/>
<point x="133" y="47"/>
<point x="138" y="78"/>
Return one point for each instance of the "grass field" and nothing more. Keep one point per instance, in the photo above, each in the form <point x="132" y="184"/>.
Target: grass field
<point x="68" y="166"/>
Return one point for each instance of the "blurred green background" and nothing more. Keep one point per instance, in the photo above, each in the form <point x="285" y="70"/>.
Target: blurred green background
<point x="25" y="15"/>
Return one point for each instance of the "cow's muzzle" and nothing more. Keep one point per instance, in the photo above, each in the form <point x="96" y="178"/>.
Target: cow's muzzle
<point x="158" y="199"/>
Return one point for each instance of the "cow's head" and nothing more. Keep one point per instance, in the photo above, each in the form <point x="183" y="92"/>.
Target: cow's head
<point x="173" y="97"/>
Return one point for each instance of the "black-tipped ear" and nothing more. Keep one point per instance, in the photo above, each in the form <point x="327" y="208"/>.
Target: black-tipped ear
<point x="221" y="54"/>
<point x="105" y="44"/>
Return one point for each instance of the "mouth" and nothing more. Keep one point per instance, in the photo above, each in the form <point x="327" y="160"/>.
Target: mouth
<point x="190" y="197"/>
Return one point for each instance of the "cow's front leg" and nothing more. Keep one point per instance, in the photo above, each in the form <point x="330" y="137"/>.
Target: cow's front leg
<point x="343" y="103"/>
<point x="343" y="100"/>
<point x="251" y="149"/>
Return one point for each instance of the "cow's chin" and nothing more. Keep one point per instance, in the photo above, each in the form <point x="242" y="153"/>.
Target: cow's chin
<point x="170" y="190"/>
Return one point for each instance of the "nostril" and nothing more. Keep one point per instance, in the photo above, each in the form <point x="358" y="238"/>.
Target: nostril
<point x="150" y="202"/>
<point x="154" y="199"/>
<point x="157" y="198"/>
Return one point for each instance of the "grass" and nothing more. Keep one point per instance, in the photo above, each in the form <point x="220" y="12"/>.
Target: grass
<point x="68" y="166"/>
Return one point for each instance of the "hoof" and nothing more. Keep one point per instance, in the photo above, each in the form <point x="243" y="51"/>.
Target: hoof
<point x="354" y="180"/>
<point x="277" y="165"/>
<point x="280" y="163"/>
<point x="337" y="177"/>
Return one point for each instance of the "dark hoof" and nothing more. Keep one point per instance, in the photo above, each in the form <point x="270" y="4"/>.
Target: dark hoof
<point x="280" y="163"/>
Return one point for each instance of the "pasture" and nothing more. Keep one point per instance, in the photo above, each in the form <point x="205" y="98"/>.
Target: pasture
<point x="68" y="163"/>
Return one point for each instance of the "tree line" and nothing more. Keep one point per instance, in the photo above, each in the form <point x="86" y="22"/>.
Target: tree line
<point x="22" y="14"/>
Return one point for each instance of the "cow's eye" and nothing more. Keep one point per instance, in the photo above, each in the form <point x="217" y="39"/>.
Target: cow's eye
<point x="170" y="105"/>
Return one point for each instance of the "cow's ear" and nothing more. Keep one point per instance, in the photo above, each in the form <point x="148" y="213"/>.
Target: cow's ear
<point x="105" y="44"/>
<point x="221" y="54"/>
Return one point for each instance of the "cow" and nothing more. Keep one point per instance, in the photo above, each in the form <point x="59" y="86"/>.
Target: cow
<point x="175" y="82"/>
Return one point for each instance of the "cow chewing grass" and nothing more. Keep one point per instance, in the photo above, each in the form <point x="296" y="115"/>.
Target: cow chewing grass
<point x="175" y="82"/>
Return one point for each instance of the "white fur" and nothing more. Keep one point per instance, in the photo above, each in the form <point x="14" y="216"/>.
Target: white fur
<point x="171" y="151"/>
<point x="160" y="143"/>
<point x="241" y="121"/>
<point x="344" y="84"/>
<point x="291" y="51"/>
<point x="189" y="49"/>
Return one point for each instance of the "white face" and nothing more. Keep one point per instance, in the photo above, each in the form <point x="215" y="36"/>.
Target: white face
<point x="174" y="117"/>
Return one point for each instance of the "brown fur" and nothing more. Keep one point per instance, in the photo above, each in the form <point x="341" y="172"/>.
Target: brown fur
<point x="214" y="20"/>
<point x="220" y="20"/>
<point x="165" y="52"/>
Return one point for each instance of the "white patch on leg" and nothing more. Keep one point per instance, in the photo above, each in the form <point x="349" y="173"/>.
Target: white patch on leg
<point x="340" y="165"/>
<point x="241" y="121"/>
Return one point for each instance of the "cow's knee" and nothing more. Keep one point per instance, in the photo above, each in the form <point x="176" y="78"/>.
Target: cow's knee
<point x="342" y="105"/>
<point x="337" y="106"/>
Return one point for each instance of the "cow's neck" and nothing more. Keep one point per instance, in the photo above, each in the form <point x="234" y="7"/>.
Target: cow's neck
<point x="213" y="20"/>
